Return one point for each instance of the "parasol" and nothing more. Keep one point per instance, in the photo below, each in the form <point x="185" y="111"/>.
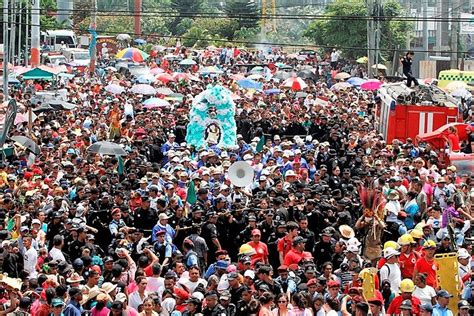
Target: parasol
<point x="106" y="148"/>
<point x="341" y="86"/>
<point x="144" y="89"/>
<point x="164" y="91"/>
<point x="342" y="76"/>
<point x="295" y="83"/>
<point x="132" y="53"/>
<point x="28" y="143"/>
<point x="165" y="77"/>
<point x="356" y="81"/>
<point x="371" y="85"/>
<point x="114" y="88"/>
<point x="249" y="84"/>
<point x="155" y="103"/>
<point x="187" y="62"/>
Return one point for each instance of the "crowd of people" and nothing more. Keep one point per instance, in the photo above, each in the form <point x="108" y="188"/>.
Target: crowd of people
<point x="335" y="222"/>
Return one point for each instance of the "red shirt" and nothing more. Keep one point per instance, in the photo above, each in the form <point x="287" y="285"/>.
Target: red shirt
<point x="407" y="264"/>
<point x="293" y="257"/>
<point x="429" y="267"/>
<point x="284" y="245"/>
<point x="261" y="250"/>
<point x="394" y="308"/>
<point x="454" y="140"/>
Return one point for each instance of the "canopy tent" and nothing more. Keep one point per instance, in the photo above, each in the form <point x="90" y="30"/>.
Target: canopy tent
<point x="38" y="74"/>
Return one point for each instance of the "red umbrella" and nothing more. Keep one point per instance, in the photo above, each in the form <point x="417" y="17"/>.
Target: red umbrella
<point x="156" y="70"/>
<point x="371" y="85"/>
<point x="295" y="83"/>
<point x="165" y="77"/>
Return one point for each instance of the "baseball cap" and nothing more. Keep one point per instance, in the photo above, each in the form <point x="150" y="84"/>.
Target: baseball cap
<point x="256" y="232"/>
<point x="463" y="304"/>
<point x="443" y="293"/>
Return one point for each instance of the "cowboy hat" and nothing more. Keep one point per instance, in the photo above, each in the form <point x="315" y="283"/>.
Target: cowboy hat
<point x="75" y="278"/>
<point x="346" y="231"/>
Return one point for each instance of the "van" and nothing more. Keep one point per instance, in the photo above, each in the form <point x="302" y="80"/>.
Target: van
<point x="77" y="56"/>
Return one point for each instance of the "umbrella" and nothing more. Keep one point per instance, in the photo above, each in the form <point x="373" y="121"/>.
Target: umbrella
<point x="210" y="70"/>
<point x="455" y="85"/>
<point x="132" y="53"/>
<point x="106" y="148"/>
<point x="187" y="62"/>
<point x="148" y="78"/>
<point x="145" y="89"/>
<point x="165" y="77"/>
<point x="341" y="86"/>
<point x="371" y="85"/>
<point x="307" y="74"/>
<point x="22" y="118"/>
<point x="255" y="76"/>
<point x="110" y="68"/>
<point x="379" y="66"/>
<point x="279" y="65"/>
<point x="114" y="88"/>
<point x="356" y="81"/>
<point x="285" y="67"/>
<point x="281" y="75"/>
<point x="123" y="37"/>
<point x="156" y="70"/>
<point x="295" y="83"/>
<point x="180" y="76"/>
<point x="237" y="77"/>
<point x="27" y="143"/>
<point x="140" y="41"/>
<point x="256" y="69"/>
<point x="461" y="93"/>
<point x="164" y="91"/>
<point x="155" y="103"/>
<point x="301" y="94"/>
<point x="362" y="60"/>
<point x="175" y="97"/>
<point x="342" y="76"/>
<point x="272" y="91"/>
<point x="249" y="84"/>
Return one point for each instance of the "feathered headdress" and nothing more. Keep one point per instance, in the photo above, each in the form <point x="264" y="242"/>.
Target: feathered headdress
<point x="372" y="202"/>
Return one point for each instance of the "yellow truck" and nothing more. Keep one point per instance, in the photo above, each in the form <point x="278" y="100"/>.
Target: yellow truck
<point x="447" y="76"/>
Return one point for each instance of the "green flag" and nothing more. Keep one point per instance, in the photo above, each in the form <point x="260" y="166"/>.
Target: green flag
<point x="191" y="197"/>
<point x="121" y="166"/>
<point x="260" y="144"/>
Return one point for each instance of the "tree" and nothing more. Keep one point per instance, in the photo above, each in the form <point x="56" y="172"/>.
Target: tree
<point x="185" y="8"/>
<point x="222" y="28"/>
<point x="341" y="31"/>
<point x="246" y="11"/>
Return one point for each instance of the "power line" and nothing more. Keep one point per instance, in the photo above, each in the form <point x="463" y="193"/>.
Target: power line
<point x="259" y="16"/>
<point x="151" y="35"/>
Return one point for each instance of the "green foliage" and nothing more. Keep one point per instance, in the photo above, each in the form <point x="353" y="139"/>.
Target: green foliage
<point x="197" y="37"/>
<point x="183" y="26"/>
<point x="185" y="8"/>
<point x="353" y="32"/>
<point x="221" y="28"/>
<point x="246" y="10"/>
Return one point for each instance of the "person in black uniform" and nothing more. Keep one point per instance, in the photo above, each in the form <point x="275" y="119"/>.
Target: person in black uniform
<point x="323" y="248"/>
<point x="407" y="61"/>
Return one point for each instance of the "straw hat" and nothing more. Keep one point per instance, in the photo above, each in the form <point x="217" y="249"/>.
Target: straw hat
<point x="91" y="295"/>
<point x="75" y="278"/>
<point x="346" y="231"/>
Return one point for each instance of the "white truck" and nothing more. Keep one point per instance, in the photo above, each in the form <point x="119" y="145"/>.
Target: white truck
<point x="55" y="40"/>
<point x="77" y="56"/>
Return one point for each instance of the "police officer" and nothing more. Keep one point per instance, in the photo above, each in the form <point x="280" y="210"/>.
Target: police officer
<point x="213" y="308"/>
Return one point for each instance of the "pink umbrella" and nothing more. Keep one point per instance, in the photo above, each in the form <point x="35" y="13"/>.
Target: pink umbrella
<point x="180" y="76"/>
<point x="165" y="78"/>
<point x="237" y="77"/>
<point x="156" y="70"/>
<point x="371" y="85"/>
<point x="295" y="83"/>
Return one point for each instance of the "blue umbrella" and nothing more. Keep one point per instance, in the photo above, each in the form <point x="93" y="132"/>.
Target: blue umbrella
<point x="249" y="84"/>
<point x="147" y="78"/>
<point x="140" y="41"/>
<point x="272" y="91"/>
<point x="356" y="81"/>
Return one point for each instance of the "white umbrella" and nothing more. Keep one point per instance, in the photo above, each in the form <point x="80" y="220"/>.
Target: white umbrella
<point x="145" y="89"/>
<point x="114" y="88"/>
<point x="123" y="37"/>
<point x="111" y="68"/>
<point x="379" y="66"/>
<point x="164" y="91"/>
<point x="155" y="103"/>
<point x="255" y="76"/>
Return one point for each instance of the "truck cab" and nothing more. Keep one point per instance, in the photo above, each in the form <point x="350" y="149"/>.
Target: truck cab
<point x="53" y="59"/>
<point x="77" y="56"/>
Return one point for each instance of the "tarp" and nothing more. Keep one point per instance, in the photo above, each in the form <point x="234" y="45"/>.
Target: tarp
<point x="38" y="74"/>
<point x="436" y="137"/>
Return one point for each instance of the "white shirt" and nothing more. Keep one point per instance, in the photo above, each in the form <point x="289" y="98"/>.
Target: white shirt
<point x="155" y="283"/>
<point x="191" y="286"/>
<point x="30" y="260"/>
<point x="424" y="294"/>
<point x="391" y="272"/>
<point x="57" y="254"/>
<point x="136" y="300"/>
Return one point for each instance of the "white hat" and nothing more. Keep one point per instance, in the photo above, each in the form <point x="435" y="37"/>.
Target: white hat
<point x="276" y="137"/>
<point x="35" y="221"/>
<point x="250" y="274"/>
<point x="163" y="216"/>
<point x="224" y="187"/>
<point x="463" y="253"/>
<point x="290" y="173"/>
<point x="248" y="157"/>
<point x="263" y="178"/>
<point x="390" y="252"/>
<point x="309" y="138"/>
<point x="352" y="248"/>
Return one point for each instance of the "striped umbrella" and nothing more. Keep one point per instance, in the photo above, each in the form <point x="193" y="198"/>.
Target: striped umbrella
<point x="132" y="53"/>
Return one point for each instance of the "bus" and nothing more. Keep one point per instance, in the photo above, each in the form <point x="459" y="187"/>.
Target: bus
<point x="55" y="39"/>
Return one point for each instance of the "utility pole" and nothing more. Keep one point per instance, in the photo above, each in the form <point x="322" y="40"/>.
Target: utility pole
<point x="378" y="11"/>
<point x="35" y="33"/>
<point x="27" y="32"/>
<point x="425" y="30"/>
<point x="454" y="33"/>
<point x="370" y="37"/>
<point x="20" y="24"/>
<point x="93" y="44"/>
<point x="11" y="48"/>
<point x="138" y="17"/>
<point x="5" y="50"/>
<point x="439" y="31"/>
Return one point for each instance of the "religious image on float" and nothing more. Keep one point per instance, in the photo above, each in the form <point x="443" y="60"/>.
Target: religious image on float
<point x="211" y="119"/>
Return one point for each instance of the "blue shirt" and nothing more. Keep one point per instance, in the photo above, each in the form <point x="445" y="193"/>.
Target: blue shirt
<point x="73" y="309"/>
<point x="439" y="311"/>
